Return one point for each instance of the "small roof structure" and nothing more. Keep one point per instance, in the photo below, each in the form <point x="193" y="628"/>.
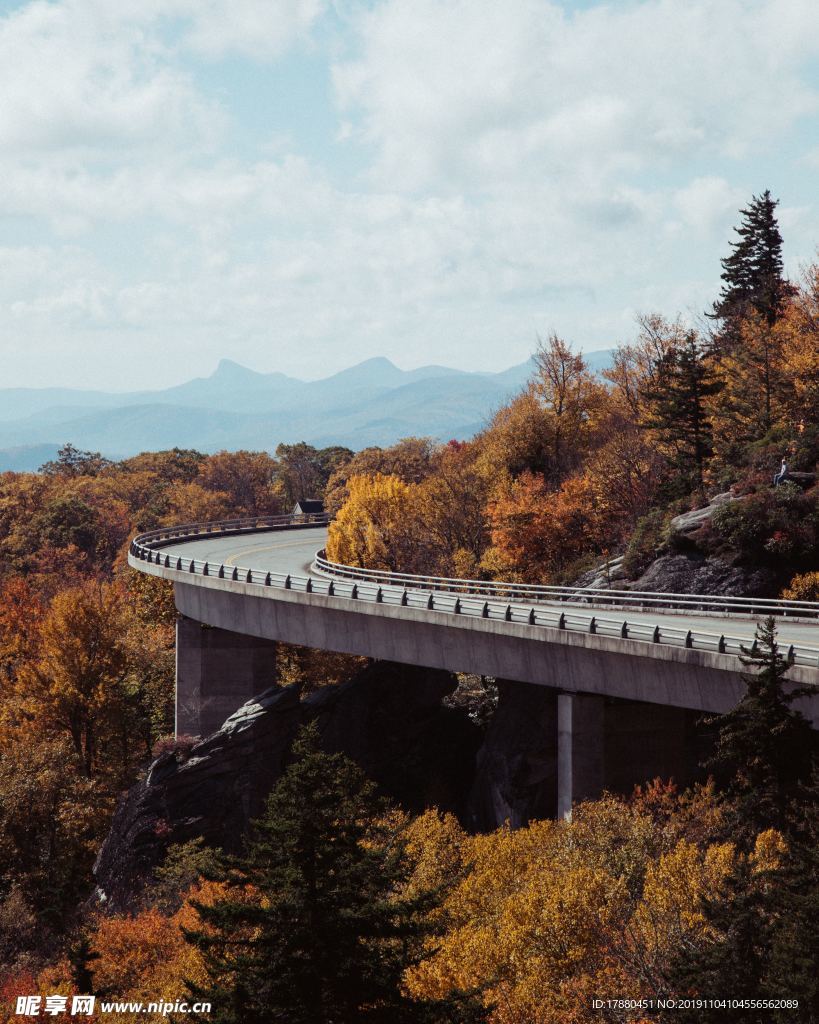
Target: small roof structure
<point x="308" y="507"/>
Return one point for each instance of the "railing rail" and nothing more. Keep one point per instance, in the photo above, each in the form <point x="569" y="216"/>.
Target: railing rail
<point x="476" y="598"/>
<point x="583" y="595"/>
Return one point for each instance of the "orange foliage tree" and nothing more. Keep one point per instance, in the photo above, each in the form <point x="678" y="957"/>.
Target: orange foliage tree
<point x="537" y="532"/>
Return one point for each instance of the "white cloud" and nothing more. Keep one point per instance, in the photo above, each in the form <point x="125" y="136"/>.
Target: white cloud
<point x="255" y="28"/>
<point x="531" y="169"/>
<point x="706" y="203"/>
<point x="475" y="93"/>
<point x="77" y="84"/>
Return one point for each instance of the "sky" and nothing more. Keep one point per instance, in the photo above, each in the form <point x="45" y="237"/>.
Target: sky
<point x="299" y="185"/>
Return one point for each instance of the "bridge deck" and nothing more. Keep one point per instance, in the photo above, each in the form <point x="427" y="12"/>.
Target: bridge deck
<point x="292" y="552"/>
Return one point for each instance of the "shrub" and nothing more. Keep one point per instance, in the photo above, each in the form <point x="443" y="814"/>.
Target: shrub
<point x="803" y="587"/>
<point x="650" y="534"/>
<point x="772" y="526"/>
<point x="180" y="746"/>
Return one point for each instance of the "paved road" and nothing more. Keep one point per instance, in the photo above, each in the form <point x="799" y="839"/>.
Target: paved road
<point x="292" y="551"/>
<point x="277" y="551"/>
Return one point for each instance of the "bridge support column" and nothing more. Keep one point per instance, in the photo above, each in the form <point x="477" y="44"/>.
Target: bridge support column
<point x="216" y="672"/>
<point x="580" y="749"/>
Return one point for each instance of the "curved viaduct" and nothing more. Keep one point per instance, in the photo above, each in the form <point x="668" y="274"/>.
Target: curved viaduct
<point x="637" y="663"/>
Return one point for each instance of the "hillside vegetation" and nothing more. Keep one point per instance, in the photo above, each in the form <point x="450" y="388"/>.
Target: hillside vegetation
<point x="343" y="907"/>
<point x="581" y="466"/>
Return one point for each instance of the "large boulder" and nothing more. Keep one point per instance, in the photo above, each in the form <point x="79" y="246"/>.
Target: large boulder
<point x="689" y="522"/>
<point x="684" y="574"/>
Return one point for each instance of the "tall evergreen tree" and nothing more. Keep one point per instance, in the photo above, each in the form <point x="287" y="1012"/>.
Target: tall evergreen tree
<point x="753" y="274"/>
<point x="677" y="401"/>
<point x="765" y="747"/>
<point x="314" y="930"/>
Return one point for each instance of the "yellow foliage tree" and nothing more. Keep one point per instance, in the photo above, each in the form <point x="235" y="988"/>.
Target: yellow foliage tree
<point x="378" y="526"/>
<point x="75" y="685"/>
<point x="542" y="919"/>
<point x="803" y="587"/>
<point x="800" y="352"/>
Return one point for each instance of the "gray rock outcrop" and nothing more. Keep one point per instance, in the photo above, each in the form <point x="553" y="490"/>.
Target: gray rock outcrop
<point x="389" y="719"/>
<point x="685" y="574"/>
<point x="688" y="522"/>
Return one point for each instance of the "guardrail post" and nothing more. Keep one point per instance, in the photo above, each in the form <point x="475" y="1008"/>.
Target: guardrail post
<point x="267" y="580"/>
<point x="721" y="645"/>
<point x="379" y="596"/>
<point x="331" y="588"/>
<point x="191" y="567"/>
<point x="167" y="561"/>
<point x="624" y="630"/>
<point x="235" y="574"/>
<point x="430" y="602"/>
<point x="249" y="577"/>
<point x="561" y="621"/>
<point x="508" y="613"/>
<point x="354" y="591"/>
<point x="532" y="619"/>
<point x="179" y="565"/>
<point x="287" y="582"/>
<point x="790" y="657"/>
<point x="689" y="639"/>
<point x="221" y="572"/>
<point x="205" y="570"/>
<point x="655" y="636"/>
<point x="592" y="624"/>
<point x="309" y="587"/>
<point x="457" y="608"/>
<point x="485" y="610"/>
<point x="404" y="599"/>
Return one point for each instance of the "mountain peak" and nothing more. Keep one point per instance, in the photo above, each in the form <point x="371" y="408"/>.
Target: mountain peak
<point x="375" y="371"/>
<point x="229" y="370"/>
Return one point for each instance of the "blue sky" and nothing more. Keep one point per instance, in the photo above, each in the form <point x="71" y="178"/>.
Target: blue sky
<point x="302" y="184"/>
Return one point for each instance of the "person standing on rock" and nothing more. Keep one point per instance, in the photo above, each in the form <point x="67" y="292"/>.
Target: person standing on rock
<point x="781" y="474"/>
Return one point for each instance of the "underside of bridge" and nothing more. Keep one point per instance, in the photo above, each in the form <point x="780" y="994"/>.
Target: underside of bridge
<point x="558" y="745"/>
<point x="585" y="704"/>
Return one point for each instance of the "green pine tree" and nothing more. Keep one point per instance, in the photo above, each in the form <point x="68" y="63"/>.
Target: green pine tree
<point x="764" y="746"/>
<point x="325" y="936"/>
<point x="753" y="275"/>
<point x="80" y="959"/>
<point x="677" y="409"/>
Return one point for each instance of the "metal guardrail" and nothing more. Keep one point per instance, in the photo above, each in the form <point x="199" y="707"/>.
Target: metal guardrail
<point x="583" y="595"/>
<point x="427" y="593"/>
<point x="226" y="527"/>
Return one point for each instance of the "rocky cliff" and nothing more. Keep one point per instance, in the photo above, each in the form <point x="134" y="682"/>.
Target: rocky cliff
<point x="390" y="719"/>
<point x="687" y="568"/>
<point x="423" y="746"/>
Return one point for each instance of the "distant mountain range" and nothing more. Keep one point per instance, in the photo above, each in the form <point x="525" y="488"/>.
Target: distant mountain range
<point x="373" y="403"/>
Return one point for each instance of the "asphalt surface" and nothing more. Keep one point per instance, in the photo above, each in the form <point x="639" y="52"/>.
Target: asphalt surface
<point x="292" y="551"/>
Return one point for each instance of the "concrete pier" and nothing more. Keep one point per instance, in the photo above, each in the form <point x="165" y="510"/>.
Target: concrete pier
<point x="217" y="671"/>
<point x="580" y="749"/>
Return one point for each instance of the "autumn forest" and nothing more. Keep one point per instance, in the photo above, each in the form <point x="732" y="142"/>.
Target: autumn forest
<point x="343" y="905"/>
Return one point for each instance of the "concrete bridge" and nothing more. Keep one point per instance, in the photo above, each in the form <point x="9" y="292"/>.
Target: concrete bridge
<point x="639" y="663"/>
